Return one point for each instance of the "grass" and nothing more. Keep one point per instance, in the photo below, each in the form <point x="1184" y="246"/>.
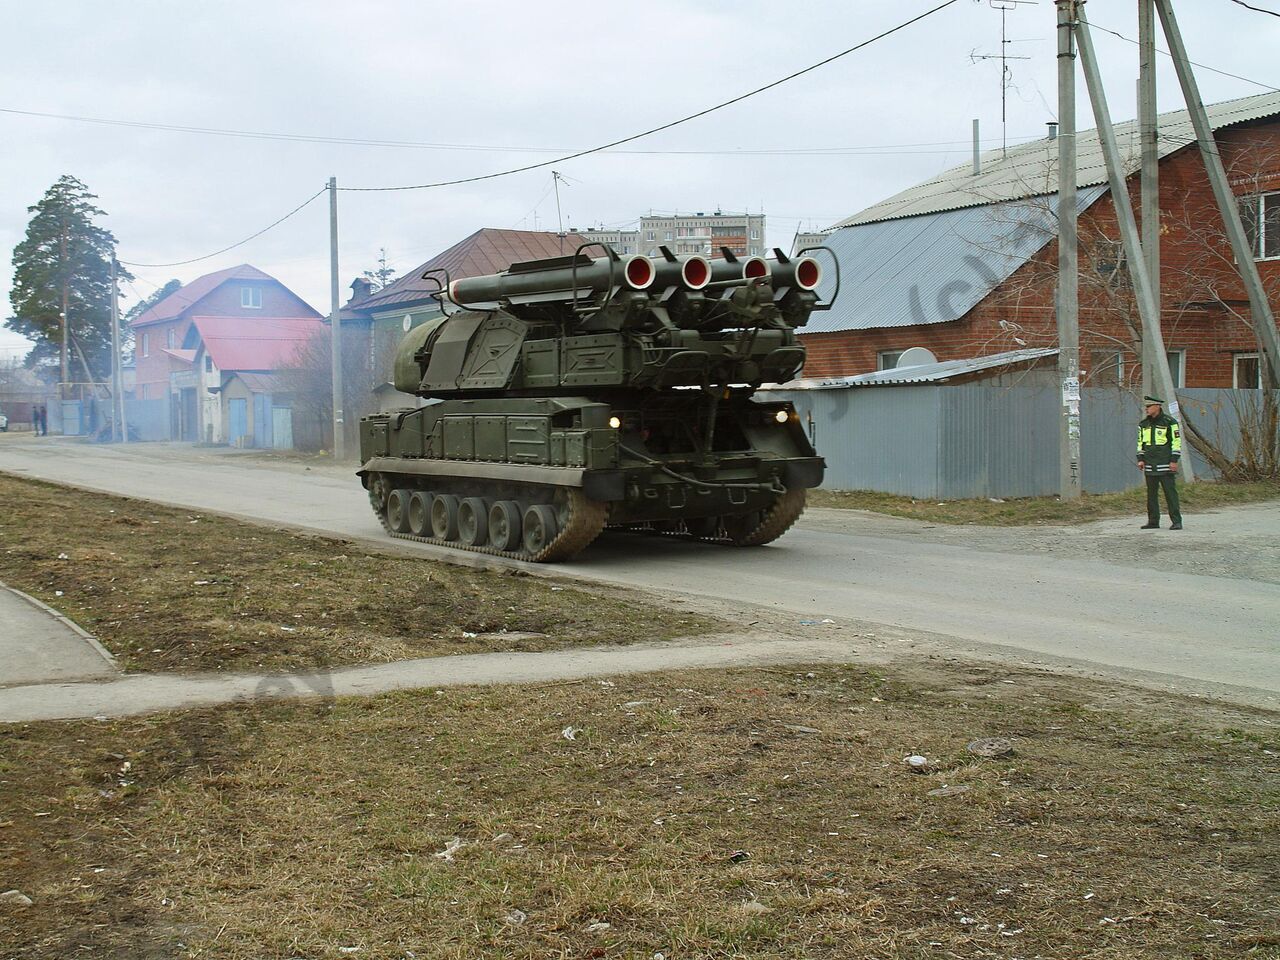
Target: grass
<point x="1202" y="495"/>
<point x="169" y="589"/>
<point x="748" y="813"/>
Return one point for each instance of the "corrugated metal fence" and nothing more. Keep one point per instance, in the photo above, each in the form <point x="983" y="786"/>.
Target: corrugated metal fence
<point x="978" y="440"/>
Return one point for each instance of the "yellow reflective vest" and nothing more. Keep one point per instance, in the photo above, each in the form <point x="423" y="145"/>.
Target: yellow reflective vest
<point x="1159" y="443"/>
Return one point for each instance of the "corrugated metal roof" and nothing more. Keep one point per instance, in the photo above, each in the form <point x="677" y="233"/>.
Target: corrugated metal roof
<point x="939" y="372"/>
<point x="252" y="343"/>
<point x="935" y="267"/>
<point x="265" y="382"/>
<point x="1030" y="169"/>
<point x="485" y="251"/>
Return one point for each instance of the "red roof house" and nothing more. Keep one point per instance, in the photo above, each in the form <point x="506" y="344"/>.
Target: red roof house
<point x="243" y="293"/>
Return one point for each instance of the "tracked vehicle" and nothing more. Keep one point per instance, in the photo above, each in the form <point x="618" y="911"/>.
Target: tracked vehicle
<point x="576" y="393"/>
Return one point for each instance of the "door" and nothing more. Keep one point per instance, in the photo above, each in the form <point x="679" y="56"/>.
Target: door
<point x="282" y="428"/>
<point x="262" y="421"/>
<point x="238" y="408"/>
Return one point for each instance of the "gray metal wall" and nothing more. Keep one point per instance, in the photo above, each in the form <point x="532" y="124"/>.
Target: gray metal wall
<point x="147" y="419"/>
<point x="983" y="440"/>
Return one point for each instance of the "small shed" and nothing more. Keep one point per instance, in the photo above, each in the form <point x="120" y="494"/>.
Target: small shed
<point x="258" y="411"/>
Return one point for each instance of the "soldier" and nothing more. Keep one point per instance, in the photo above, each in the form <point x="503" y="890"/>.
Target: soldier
<point x="1159" y="450"/>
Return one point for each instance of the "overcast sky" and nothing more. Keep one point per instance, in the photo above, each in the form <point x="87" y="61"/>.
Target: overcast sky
<point x="518" y="77"/>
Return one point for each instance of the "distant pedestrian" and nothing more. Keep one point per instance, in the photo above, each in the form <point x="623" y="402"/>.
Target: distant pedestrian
<point x="1159" y="450"/>
<point x="37" y="420"/>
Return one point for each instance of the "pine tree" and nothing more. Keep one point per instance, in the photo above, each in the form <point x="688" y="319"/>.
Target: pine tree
<point x="63" y="268"/>
<point x="384" y="273"/>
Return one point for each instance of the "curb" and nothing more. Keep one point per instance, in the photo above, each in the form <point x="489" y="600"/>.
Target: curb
<point x="67" y="622"/>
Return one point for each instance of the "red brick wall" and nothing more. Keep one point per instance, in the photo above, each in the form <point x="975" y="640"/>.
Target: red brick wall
<point x="155" y="368"/>
<point x="1203" y="305"/>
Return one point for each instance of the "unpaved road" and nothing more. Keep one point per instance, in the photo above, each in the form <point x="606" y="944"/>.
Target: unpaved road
<point x="1199" y="613"/>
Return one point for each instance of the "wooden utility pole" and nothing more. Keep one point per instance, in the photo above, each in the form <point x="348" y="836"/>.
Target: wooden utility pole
<point x="1150" y="169"/>
<point x="1068" y="305"/>
<point x="335" y="323"/>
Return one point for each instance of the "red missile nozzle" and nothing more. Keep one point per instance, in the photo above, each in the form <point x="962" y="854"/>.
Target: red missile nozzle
<point x="755" y="268"/>
<point x="808" y="273"/>
<point x="639" y="272"/>
<point x="696" y="273"/>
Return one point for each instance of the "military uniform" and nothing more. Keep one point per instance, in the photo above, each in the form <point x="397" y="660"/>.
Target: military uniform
<point x="1159" y="449"/>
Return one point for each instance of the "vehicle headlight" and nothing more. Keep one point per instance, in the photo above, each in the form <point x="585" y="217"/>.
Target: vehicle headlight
<point x="782" y="416"/>
<point x="615" y="422"/>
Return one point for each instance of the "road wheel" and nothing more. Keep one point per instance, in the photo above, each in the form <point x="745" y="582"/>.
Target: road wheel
<point x="420" y="513"/>
<point x="398" y="510"/>
<point x="539" y="527"/>
<point x="473" y="521"/>
<point x="444" y="516"/>
<point x="504" y="526"/>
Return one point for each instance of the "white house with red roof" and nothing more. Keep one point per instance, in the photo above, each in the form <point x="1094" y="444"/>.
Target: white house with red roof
<point x="166" y="365"/>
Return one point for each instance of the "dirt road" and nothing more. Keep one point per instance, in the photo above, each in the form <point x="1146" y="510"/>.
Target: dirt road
<point x="1200" y="613"/>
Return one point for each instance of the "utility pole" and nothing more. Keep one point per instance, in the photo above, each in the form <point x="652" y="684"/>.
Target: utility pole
<point x="1264" y="321"/>
<point x="1145" y="295"/>
<point x="335" y="323"/>
<point x="119" y="429"/>
<point x="1069" y="485"/>
<point x="1150" y="176"/>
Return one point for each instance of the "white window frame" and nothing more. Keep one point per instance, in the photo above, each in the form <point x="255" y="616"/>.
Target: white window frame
<point x="1119" y="367"/>
<point x="169" y="338"/>
<point x="1235" y="370"/>
<point x="882" y="354"/>
<point x="1181" y="353"/>
<point x="247" y="297"/>
<point x="1262" y="250"/>
<point x="146" y="344"/>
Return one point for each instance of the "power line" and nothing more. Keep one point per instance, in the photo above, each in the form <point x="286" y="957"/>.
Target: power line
<point x="1234" y="76"/>
<point x="665" y="126"/>
<point x="1248" y="6"/>
<point x="238" y="243"/>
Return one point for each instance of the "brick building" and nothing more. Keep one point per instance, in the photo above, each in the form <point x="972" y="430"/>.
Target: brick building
<point x="165" y="369"/>
<point x="966" y="263"/>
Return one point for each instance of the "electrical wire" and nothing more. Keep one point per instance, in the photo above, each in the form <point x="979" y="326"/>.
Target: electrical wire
<point x="1248" y="6"/>
<point x="1203" y="66"/>
<point x="238" y="243"/>
<point x="665" y="126"/>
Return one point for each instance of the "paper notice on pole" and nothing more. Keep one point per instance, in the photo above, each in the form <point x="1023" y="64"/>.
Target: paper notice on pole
<point x="1071" y="389"/>
<point x="1073" y="408"/>
<point x="1174" y="409"/>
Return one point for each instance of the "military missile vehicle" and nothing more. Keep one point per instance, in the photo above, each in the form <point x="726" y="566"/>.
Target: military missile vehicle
<point x="569" y="394"/>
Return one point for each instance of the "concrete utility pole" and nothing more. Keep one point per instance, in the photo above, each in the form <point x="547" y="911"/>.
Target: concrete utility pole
<point x="1264" y="321"/>
<point x="1069" y="475"/>
<point x="119" y="429"/>
<point x="1150" y="168"/>
<point x="335" y="323"/>
<point x="1145" y="295"/>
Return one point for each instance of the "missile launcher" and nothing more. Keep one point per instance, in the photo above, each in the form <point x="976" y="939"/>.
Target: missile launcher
<point x="576" y="393"/>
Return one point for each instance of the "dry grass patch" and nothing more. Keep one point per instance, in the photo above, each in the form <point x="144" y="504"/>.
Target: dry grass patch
<point x="749" y="813"/>
<point x="1202" y="495"/>
<point x="168" y="589"/>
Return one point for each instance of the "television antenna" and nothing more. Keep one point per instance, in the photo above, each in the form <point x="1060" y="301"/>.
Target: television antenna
<point x="1006" y="74"/>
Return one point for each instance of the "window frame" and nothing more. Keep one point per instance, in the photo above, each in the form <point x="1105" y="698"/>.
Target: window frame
<point x="1119" y="368"/>
<point x="1235" y="369"/>
<point x="1261" y="251"/>
<point x="1180" y="382"/>
<point x="882" y="354"/>
<point x="146" y="344"/>
<point x="250" y="293"/>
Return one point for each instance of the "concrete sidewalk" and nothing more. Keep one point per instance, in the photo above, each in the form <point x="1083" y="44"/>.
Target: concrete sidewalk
<point x="149" y="693"/>
<point x="40" y="645"/>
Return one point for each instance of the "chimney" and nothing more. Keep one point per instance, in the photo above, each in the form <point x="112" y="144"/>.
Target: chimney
<point x="361" y="289"/>
<point x="1053" y="129"/>
<point x="977" y="150"/>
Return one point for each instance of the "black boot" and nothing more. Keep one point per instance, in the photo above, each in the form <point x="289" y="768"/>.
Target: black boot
<point x="1176" y="525"/>
<point x="1149" y="526"/>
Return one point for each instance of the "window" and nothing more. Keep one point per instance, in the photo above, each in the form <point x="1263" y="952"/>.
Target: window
<point x="1110" y="264"/>
<point x="1248" y="372"/>
<point x="208" y="364"/>
<point x="755" y="234"/>
<point x="667" y="235"/>
<point x="1178" y="367"/>
<point x="146" y="344"/>
<point x="650" y="235"/>
<point x="1261" y="216"/>
<point x="888" y="359"/>
<point x="169" y="338"/>
<point x="146" y="391"/>
<point x="1106" y="368"/>
<point x="251" y="298"/>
